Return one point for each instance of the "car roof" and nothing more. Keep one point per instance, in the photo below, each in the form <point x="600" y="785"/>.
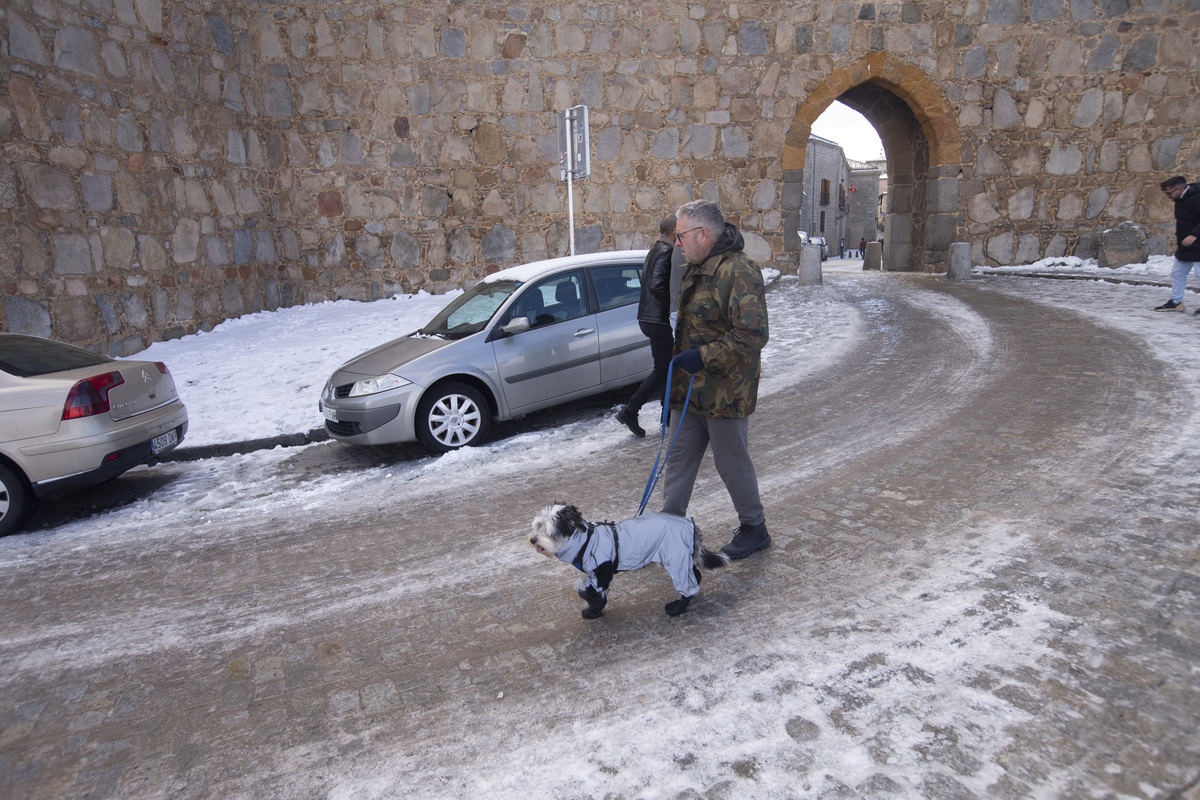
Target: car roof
<point x="536" y="269"/>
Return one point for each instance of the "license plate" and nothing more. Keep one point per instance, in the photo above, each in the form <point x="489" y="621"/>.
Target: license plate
<point x="160" y="443"/>
<point x="330" y="414"/>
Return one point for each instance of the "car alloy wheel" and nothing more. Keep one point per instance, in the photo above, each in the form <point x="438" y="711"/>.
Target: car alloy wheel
<point x="15" y="502"/>
<point x="452" y="416"/>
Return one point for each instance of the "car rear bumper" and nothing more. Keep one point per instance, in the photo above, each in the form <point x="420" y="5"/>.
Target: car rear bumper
<point x="112" y="464"/>
<point x="86" y="448"/>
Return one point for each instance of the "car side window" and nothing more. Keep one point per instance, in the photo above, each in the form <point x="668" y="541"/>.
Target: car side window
<point x="617" y="285"/>
<point x="556" y="299"/>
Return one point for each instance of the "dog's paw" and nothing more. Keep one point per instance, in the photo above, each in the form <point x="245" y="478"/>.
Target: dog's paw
<point x="677" y="607"/>
<point x="591" y="594"/>
<point x="596" y="601"/>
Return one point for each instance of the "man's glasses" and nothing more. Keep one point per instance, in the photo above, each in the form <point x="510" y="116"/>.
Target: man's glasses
<point x="679" y="236"/>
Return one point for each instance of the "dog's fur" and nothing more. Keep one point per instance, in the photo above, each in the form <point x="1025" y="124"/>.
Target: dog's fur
<point x="653" y="538"/>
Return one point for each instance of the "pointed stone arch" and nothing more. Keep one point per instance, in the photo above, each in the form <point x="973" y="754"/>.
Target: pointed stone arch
<point x="921" y="140"/>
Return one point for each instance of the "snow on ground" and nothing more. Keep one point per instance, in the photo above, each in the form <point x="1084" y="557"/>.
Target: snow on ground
<point x="261" y="375"/>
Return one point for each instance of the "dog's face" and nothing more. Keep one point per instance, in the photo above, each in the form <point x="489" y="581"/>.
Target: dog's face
<point x="553" y="525"/>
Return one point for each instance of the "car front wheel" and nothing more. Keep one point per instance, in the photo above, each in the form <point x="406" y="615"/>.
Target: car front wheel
<point x="452" y="416"/>
<point x="15" y="502"/>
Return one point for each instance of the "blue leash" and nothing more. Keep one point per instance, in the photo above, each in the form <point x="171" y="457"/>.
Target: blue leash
<point x="656" y="471"/>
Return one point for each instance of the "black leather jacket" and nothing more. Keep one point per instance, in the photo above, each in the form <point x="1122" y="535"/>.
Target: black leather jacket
<point x="655" y="305"/>
<point x="1187" y="223"/>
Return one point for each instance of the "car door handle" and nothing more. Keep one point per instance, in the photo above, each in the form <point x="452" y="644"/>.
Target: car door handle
<point x="583" y="332"/>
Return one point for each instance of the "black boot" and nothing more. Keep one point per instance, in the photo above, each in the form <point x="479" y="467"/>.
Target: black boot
<point x="677" y="607"/>
<point x="747" y="539"/>
<point x="628" y="418"/>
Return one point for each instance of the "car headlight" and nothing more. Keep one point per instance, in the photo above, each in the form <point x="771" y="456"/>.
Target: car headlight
<point x="380" y="383"/>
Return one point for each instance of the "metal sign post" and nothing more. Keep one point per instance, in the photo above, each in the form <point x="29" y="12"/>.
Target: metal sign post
<point x="573" y="156"/>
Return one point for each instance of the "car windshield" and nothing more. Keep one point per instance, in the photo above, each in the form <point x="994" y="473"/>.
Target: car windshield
<point x="470" y="311"/>
<point x="28" y="356"/>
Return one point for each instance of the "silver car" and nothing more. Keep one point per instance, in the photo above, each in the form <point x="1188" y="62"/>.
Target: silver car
<point x="70" y="418"/>
<point x="521" y="339"/>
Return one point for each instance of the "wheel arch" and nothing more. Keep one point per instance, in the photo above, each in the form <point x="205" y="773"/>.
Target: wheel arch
<point x="15" y="468"/>
<point x="474" y="382"/>
<point x="27" y="499"/>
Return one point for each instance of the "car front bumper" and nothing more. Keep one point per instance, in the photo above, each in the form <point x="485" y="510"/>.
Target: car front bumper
<point x="383" y="418"/>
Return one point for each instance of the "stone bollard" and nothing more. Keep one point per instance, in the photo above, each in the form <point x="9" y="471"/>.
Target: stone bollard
<point x="873" y="259"/>
<point x="809" y="269"/>
<point x="960" y="261"/>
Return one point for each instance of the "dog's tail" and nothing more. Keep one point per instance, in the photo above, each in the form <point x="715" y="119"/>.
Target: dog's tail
<point x="710" y="560"/>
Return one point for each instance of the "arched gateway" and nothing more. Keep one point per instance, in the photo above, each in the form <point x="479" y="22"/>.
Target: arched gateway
<point x="920" y="137"/>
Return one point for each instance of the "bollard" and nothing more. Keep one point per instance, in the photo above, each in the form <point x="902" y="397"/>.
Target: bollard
<point x="874" y="256"/>
<point x="809" y="270"/>
<point x="960" y="261"/>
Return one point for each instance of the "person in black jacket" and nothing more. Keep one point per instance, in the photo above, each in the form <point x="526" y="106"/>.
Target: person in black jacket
<point x="1186" y="197"/>
<point x="654" y="318"/>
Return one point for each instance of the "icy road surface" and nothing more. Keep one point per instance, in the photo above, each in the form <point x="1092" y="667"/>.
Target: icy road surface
<point x="983" y="583"/>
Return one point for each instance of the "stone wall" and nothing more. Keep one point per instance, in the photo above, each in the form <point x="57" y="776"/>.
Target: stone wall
<point x="165" y="165"/>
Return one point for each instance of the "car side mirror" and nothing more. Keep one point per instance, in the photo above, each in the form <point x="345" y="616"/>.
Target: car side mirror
<point x="516" y="325"/>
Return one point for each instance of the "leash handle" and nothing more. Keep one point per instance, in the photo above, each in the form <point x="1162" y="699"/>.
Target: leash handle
<point x="656" y="471"/>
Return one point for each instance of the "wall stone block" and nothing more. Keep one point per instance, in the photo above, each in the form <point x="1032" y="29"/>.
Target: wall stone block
<point x="108" y="314"/>
<point x="135" y="310"/>
<point x="23" y="315"/>
<point x="260" y="141"/>
<point x="72" y="254"/>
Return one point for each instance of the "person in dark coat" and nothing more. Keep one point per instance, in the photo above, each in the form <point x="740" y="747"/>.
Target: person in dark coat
<point x="1186" y="197"/>
<point x="719" y="336"/>
<point x="654" y="318"/>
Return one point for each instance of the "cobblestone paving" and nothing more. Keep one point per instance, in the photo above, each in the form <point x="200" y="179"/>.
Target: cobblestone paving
<point x="408" y="648"/>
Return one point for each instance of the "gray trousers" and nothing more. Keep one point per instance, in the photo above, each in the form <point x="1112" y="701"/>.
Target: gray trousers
<point x="730" y="442"/>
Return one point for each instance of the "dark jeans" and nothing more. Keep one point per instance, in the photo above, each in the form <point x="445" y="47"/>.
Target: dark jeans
<point x="662" y="342"/>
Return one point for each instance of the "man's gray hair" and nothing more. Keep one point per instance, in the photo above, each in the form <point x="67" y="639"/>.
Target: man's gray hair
<point x="705" y="214"/>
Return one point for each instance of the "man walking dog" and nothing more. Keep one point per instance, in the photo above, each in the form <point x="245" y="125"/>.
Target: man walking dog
<point x="719" y="336"/>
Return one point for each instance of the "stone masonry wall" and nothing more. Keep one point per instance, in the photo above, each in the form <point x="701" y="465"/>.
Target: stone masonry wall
<point x="168" y="164"/>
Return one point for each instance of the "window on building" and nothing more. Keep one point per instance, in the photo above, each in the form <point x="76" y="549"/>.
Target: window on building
<point x="824" y="194"/>
<point x="842" y="197"/>
<point x="822" y="222"/>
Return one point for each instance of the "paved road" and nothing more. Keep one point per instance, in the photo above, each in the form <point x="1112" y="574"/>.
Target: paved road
<point x="983" y="583"/>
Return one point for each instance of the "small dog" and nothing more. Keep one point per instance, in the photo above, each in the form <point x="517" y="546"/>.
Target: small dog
<point x="603" y="549"/>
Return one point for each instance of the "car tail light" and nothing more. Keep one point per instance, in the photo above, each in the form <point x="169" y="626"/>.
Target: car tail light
<point x="90" y="396"/>
<point x="162" y="368"/>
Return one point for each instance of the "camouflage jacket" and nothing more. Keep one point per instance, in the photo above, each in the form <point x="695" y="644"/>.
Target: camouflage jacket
<point x="723" y="312"/>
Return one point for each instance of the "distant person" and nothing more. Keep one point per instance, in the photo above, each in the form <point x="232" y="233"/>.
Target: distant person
<point x="862" y="247"/>
<point x="719" y="337"/>
<point x="1186" y="197"/>
<point x="654" y="312"/>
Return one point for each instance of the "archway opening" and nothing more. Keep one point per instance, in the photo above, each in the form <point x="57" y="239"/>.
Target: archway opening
<point x="921" y="141"/>
<point x="848" y="155"/>
<point x="907" y="152"/>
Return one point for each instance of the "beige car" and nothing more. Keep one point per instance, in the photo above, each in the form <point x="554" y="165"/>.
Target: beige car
<point x="70" y="418"/>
